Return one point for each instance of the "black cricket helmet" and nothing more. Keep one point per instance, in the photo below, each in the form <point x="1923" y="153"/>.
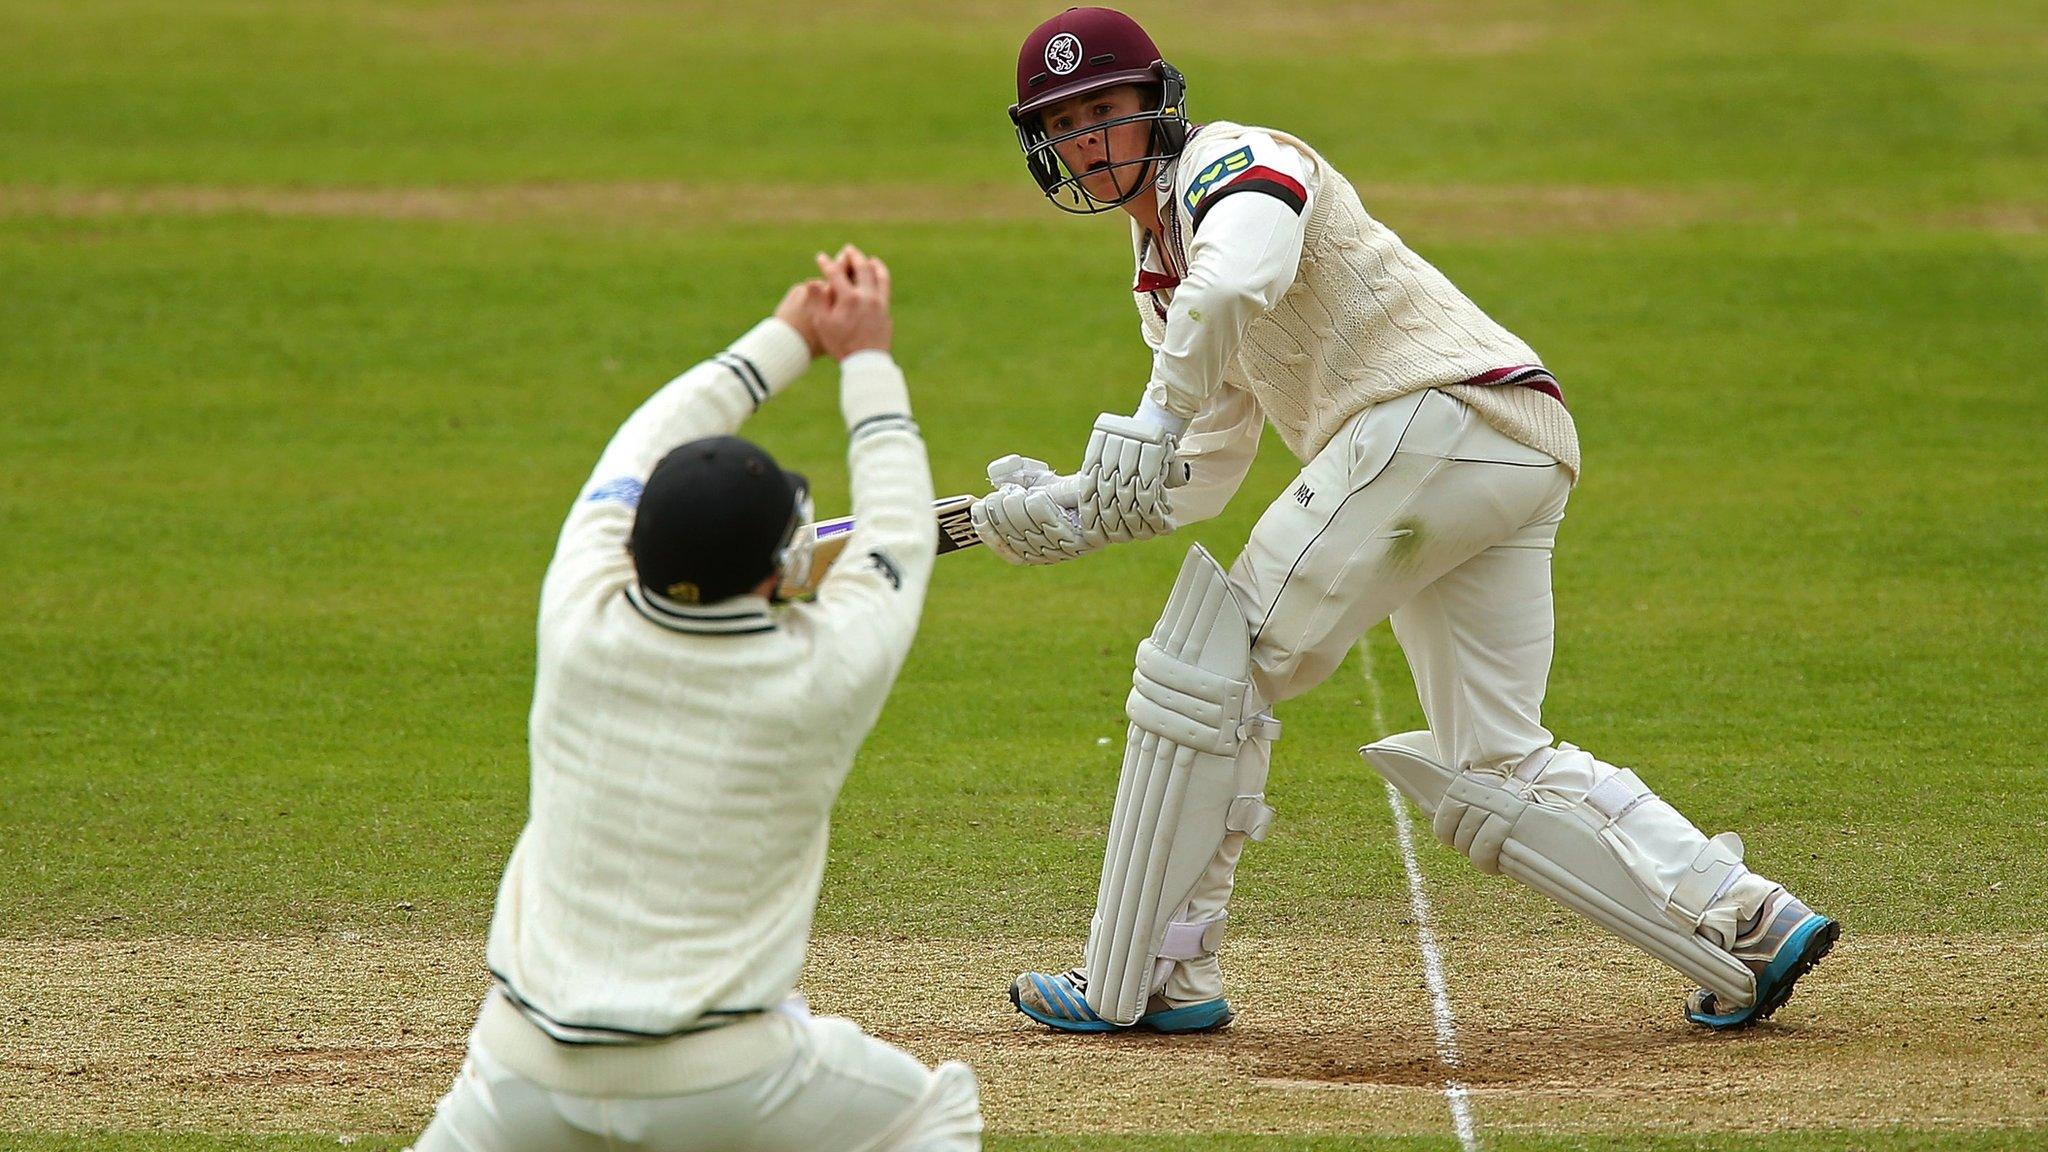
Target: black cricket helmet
<point x="717" y="516"/>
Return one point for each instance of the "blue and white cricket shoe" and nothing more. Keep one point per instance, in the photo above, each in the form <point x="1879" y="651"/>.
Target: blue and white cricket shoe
<point x="1061" y="1001"/>
<point x="1784" y="942"/>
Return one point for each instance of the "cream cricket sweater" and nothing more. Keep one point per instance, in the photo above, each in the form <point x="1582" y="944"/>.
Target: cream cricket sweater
<point x="685" y="759"/>
<point x="1318" y="312"/>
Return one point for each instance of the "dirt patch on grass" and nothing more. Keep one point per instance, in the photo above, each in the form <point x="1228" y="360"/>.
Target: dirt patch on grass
<point x="1466" y="211"/>
<point x="651" y="202"/>
<point x="2014" y="219"/>
<point x="1335" y="1035"/>
<point x="571" y="30"/>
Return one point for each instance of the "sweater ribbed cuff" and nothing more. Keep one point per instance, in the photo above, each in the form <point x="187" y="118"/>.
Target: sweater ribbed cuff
<point x="777" y="350"/>
<point x="1155" y="414"/>
<point x="871" y="385"/>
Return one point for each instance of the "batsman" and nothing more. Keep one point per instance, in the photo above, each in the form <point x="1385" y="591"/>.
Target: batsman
<point x="1437" y="456"/>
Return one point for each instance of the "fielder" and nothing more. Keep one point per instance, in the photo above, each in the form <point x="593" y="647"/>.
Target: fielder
<point x="1437" y="455"/>
<point x="688" y="739"/>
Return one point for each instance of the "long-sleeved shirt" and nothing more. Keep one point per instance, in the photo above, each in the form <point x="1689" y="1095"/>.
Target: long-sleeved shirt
<point x="685" y="759"/>
<point x="1276" y="297"/>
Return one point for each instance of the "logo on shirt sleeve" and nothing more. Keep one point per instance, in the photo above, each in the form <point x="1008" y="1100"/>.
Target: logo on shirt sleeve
<point x="624" y="490"/>
<point x="1214" y="176"/>
<point x="880" y="562"/>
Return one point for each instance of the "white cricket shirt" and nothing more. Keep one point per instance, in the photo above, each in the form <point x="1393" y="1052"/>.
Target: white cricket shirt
<point x="1276" y="297"/>
<point x="685" y="759"/>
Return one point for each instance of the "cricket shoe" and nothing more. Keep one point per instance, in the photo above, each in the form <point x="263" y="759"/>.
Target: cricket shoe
<point x="1061" y="1001"/>
<point x="1783" y="942"/>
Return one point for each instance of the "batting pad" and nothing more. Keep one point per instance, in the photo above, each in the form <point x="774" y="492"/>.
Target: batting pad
<point x="1611" y="851"/>
<point x="1191" y="776"/>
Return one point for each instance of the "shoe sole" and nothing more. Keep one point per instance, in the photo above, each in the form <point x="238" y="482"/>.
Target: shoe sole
<point x="1058" y="1023"/>
<point x="1808" y="944"/>
<point x="1195" y="1018"/>
<point x="1208" y="1016"/>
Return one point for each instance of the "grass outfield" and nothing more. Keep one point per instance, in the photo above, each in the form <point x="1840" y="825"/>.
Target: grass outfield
<point x="312" y="318"/>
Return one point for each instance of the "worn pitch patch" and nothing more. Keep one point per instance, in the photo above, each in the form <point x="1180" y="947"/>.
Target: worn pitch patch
<point x="1472" y="211"/>
<point x="1334" y="1036"/>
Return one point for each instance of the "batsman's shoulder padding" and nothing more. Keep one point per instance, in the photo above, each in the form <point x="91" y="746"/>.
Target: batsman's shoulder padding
<point x="1591" y="837"/>
<point x="1227" y="159"/>
<point x="1193" y="773"/>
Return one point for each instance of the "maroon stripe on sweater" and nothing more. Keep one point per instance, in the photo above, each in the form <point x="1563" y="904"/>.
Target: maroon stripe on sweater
<point x="1150" y="281"/>
<point x="1287" y="183"/>
<point x="1279" y="185"/>
<point x="1526" y="375"/>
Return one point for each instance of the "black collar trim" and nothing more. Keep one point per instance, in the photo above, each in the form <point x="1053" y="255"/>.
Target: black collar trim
<point x="567" y="1033"/>
<point x="713" y="620"/>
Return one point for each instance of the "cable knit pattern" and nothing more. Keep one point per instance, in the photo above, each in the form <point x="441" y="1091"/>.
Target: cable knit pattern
<point x="685" y="758"/>
<point x="1367" y="320"/>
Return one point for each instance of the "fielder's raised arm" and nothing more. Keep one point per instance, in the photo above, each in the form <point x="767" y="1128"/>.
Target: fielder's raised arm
<point x="870" y="601"/>
<point x="712" y="399"/>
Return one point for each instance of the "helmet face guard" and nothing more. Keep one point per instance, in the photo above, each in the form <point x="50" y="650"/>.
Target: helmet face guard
<point x="1062" y="185"/>
<point x="793" y="555"/>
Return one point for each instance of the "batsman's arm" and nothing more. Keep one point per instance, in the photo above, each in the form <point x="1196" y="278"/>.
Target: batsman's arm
<point x="1245" y="247"/>
<point x="1217" y="450"/>
<point x="711" y="399"/>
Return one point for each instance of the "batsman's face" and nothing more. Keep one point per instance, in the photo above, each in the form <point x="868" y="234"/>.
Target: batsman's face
<point x="1097" y="143"/>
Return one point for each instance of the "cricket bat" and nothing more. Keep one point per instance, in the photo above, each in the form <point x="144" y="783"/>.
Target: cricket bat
<point x="955" y="515"/>
<point x="828" y="539"/>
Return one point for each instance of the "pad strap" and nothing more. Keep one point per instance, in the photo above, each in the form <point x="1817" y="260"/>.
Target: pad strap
<point x="1193" y="939"/>
<point x="1618" y="795"/>
<point x="1717" y="867"/>
<point x="1249" y="815"/>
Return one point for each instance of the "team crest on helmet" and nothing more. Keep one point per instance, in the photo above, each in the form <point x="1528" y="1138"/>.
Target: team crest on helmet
<point x="1063" y="53"/>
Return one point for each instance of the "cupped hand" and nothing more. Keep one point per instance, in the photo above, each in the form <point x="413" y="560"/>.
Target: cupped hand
<point x="855" y="316"/>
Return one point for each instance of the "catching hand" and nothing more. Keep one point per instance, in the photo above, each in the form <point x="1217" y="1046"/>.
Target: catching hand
<point x="800" y="308"/>
<point x="855" y="317"/>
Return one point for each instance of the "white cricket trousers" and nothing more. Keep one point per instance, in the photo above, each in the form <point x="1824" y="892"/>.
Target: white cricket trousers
<point x="780" y="1082"/>
<point x="1420" y="510"/>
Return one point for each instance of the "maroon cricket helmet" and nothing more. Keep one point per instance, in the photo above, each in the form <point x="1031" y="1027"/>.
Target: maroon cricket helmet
<point x="1085" y="50"/>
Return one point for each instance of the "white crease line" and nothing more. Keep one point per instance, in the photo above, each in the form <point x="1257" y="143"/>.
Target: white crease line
<point x="1425" y="935"/>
